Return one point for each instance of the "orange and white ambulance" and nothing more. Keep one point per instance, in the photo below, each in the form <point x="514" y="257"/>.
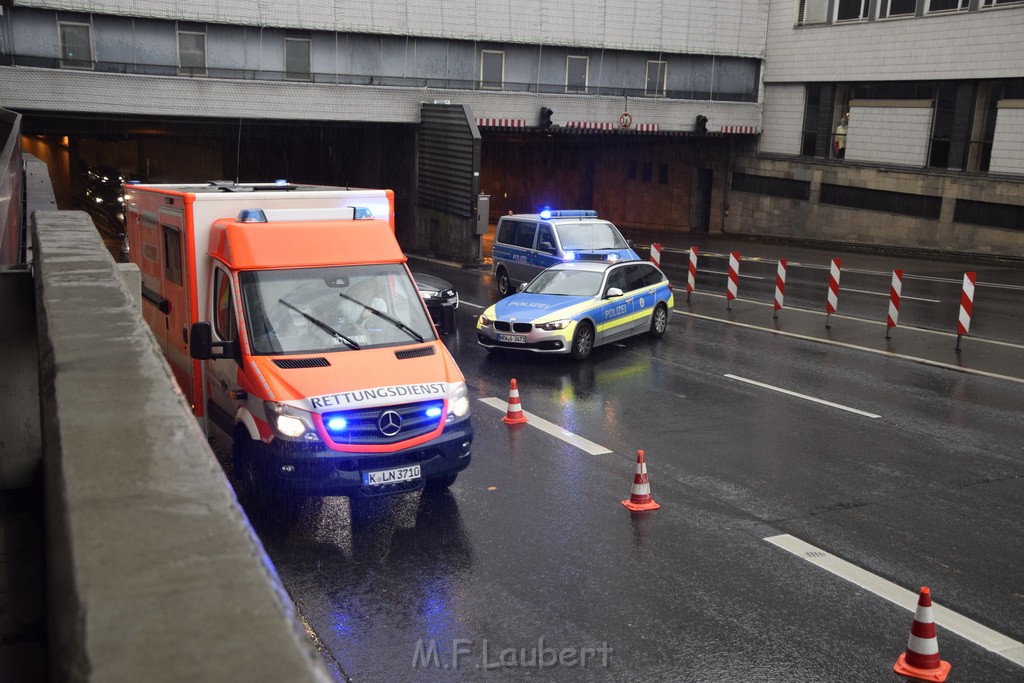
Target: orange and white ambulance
<point x="295" y="329"/>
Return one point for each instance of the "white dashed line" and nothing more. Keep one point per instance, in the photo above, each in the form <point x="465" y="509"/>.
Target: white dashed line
<point x="803" y="396"/>
<point x="552" y="429"/>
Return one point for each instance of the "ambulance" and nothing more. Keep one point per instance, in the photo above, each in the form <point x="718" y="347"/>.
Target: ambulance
<point x="295" y="330"/>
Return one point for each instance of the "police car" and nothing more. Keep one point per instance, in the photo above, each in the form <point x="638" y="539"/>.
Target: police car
<point x="573" y="307"/>
<point x="525" y="244"/>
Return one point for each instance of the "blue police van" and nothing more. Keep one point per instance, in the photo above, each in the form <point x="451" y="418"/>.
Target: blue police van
<point x="525" y="244"/>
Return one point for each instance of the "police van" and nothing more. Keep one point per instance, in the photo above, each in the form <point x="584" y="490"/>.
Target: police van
<point x="525" y="244"/>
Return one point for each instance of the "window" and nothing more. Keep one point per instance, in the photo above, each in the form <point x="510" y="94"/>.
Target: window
<point x="75" y="46"/>
<point x="656" y="73"/>
<point x="993" y="3"/>
<point x="576" y="73"/>
<point x="224" y="322"/>
<point x="809" y="140"/>
<point x="492" y="69"/>
<point x="851" y="10"/>
<point x="191" y="53"/>
<point x="524" y="235"/>
<point x="172" y="252"/>
<point x="946" y="5"/>
<point x="546" y="239"/>
<point x="296" y="58"/>
<point x="896" y="8"/>
<point x="813" y="11"/>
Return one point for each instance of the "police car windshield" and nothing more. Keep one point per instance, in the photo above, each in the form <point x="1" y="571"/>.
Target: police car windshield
<point x="566" y="282"/>
<point x="590" y="235"/>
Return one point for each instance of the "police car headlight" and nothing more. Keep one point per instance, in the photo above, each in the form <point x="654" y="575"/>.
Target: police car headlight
<point x="554" y="325"/>
<point x="290" y="424"/>
<point x="484" y="321"/>
<point x="458" y="403"/>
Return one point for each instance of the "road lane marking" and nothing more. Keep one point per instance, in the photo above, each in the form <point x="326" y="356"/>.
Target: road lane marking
<point x="886" y="294"/>
<point x="470" y="303"/>
<point x="551" y="428"/>
<point x="803" y="396"/>
<point x="993" y="641"/>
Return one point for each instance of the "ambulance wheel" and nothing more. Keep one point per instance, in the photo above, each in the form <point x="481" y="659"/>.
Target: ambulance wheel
<point x="583" y="341"/>
<point x="501" y="278"/>
<point x="439" y="484"/>
<point x="253" y="484"/>
<point x="659" y="321"/>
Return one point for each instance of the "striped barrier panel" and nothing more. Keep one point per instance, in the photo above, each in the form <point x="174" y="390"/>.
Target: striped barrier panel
<point x="732" y="286"/>
<point x="656" y="254"/>
<point x="894" y="301"/>
<point x="691" y="274"/>
<point x="780" y="286"/>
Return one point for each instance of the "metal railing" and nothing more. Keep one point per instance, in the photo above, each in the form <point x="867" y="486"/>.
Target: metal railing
<point x="12" y="240"/>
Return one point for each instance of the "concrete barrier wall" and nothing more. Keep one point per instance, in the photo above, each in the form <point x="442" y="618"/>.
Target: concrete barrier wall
<point x="154" y="571"/>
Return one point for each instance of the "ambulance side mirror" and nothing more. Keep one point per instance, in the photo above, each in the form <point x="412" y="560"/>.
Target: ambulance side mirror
<point x="202" y="347"/>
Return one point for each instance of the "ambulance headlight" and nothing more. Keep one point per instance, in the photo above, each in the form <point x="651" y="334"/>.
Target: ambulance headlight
<point x="458" y="403"/>
<point x="289" y="423"/>
<point x="554" y="325"/>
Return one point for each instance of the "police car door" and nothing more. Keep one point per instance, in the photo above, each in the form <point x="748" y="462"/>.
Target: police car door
<point x="642" y="300"/>
<point x="613" y="317"/>
<point x="546" y="254"/>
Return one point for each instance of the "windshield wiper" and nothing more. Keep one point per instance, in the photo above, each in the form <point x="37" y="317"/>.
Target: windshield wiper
<point x="381" y="314"/>
<point x="323" y="326"/>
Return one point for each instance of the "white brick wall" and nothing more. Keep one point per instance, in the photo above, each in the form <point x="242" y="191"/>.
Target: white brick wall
<point x="1008" y="146"/>
<point x="962" y="45"/>
<point x="783" y="119"/>
<point x="889" y="135"/>
<point x="719" y="27"/>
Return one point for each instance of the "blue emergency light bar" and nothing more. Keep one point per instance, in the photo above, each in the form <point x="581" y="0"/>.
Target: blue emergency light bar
<point x="251" y="216"/>
<point x="568" y="213"/>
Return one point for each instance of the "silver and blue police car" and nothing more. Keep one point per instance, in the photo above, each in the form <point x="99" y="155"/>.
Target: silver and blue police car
<point x="573" y="307"/>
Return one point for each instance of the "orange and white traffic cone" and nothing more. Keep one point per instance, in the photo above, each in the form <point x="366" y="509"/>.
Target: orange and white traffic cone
<point x="921" y="660"/>
<point x="514" y="414"/>
<point x="640" y="496"/>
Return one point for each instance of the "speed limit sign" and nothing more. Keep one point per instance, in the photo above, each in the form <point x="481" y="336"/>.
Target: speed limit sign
<point x="625" y="119"/>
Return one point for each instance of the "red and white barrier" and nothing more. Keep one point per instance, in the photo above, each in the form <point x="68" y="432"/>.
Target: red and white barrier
<point x="732" y="286"/>
<point x="894" y="301"/>
<point x="691" y="275"/>
<point x="963" y="324"/>
<point x="780" y="286"/>
<point x="832" y="302"/>
<point x="656" y="254"/>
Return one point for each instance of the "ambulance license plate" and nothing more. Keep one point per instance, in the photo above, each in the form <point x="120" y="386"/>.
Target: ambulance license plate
<point x="399" y="474"/>
<point x="512" y="338"/>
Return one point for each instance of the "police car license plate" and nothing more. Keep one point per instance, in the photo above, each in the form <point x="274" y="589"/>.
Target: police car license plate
<point x="394" y="476"/>
<point x="512" y="338"/>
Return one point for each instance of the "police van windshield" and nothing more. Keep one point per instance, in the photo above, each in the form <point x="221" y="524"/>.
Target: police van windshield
<point x="590" y="235"/>
<point x="322" y="310"/>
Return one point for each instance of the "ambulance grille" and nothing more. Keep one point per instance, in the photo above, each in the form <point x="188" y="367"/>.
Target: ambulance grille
<point x="297" y="363"/>
<point x="414" y="353"/>
<point x="372" y="426"/>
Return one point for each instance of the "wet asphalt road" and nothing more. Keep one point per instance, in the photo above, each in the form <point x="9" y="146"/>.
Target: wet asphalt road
<point x="531" y="554"/>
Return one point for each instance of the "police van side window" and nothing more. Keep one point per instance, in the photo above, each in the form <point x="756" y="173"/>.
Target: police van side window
<point x="524" y="235"/>
<point x="506" y="235"/>
<point x="224" y="315"/>
<point x="546" y="239"/>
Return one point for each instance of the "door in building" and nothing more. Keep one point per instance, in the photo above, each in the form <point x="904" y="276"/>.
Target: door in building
<point x="701" y="218"/>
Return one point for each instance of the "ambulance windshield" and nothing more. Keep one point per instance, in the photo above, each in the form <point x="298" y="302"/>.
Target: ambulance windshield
<point x="341" y="308"/>
<point x="590" y="235"/>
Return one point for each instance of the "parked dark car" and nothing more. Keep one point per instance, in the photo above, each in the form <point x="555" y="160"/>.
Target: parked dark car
<point x="441" y="299"/>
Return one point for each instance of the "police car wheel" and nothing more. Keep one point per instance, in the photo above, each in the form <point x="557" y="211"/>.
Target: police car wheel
<point x="659" y="321"/>
<point x="583" y="341"/>
<point x="504" y="286"/>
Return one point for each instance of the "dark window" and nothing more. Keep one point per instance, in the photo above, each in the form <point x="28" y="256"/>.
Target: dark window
<point x="899" y="7"/>
<point x="492" y="69"/>
<point x="652" y="276"/>
<point x="75" y="45"/>
<point x="773" y="187"/>
<point x="852" y="9"/>
<point x="656" y="75"/>
<point x="617" y="278"/>
<point x="507" y="232"/>
<point x="546" y="234"/>
<point x="297" y="58"/>
<point x="576" y="73"/>
<point x="224" y="323"/>
<point x="946" y="5"/>
<point x="942" y="125"/>
<point x="810" y="134"/>
<point x="524" y="235"/>
<point x="902" y="203"/>
<point x="172" y="252"/>
<point x="634" y="278"/>
<point x="663" y="174"/>
<point x="1010" y="216"/>
<point x="191" y="53"/>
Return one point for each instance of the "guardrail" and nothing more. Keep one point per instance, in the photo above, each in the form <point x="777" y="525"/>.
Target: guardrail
<point x="154" y="571"/>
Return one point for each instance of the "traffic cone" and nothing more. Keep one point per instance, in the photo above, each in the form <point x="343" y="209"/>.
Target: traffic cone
<point x="514" y="414"/>
<point x="640" y="497"/>
<point x="921" y="660"/>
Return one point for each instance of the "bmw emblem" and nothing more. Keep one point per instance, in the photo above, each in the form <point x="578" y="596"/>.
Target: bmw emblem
<point x="389" y="423"/>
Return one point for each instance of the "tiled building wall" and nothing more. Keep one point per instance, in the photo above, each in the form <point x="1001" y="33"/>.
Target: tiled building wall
<point x="1008" y="145"/>
<point x="783" y="119"/>
<point x="889" y="134"/>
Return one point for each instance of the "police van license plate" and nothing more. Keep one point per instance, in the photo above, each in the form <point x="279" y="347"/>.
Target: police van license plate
<point x="399" y="474"/>
<point x="512" y="338"/>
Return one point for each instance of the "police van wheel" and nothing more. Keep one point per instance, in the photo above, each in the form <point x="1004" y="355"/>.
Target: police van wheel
<point x="659" y="321"/>
<point x="583" y="341"/>
<point x="501" y="278"/>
